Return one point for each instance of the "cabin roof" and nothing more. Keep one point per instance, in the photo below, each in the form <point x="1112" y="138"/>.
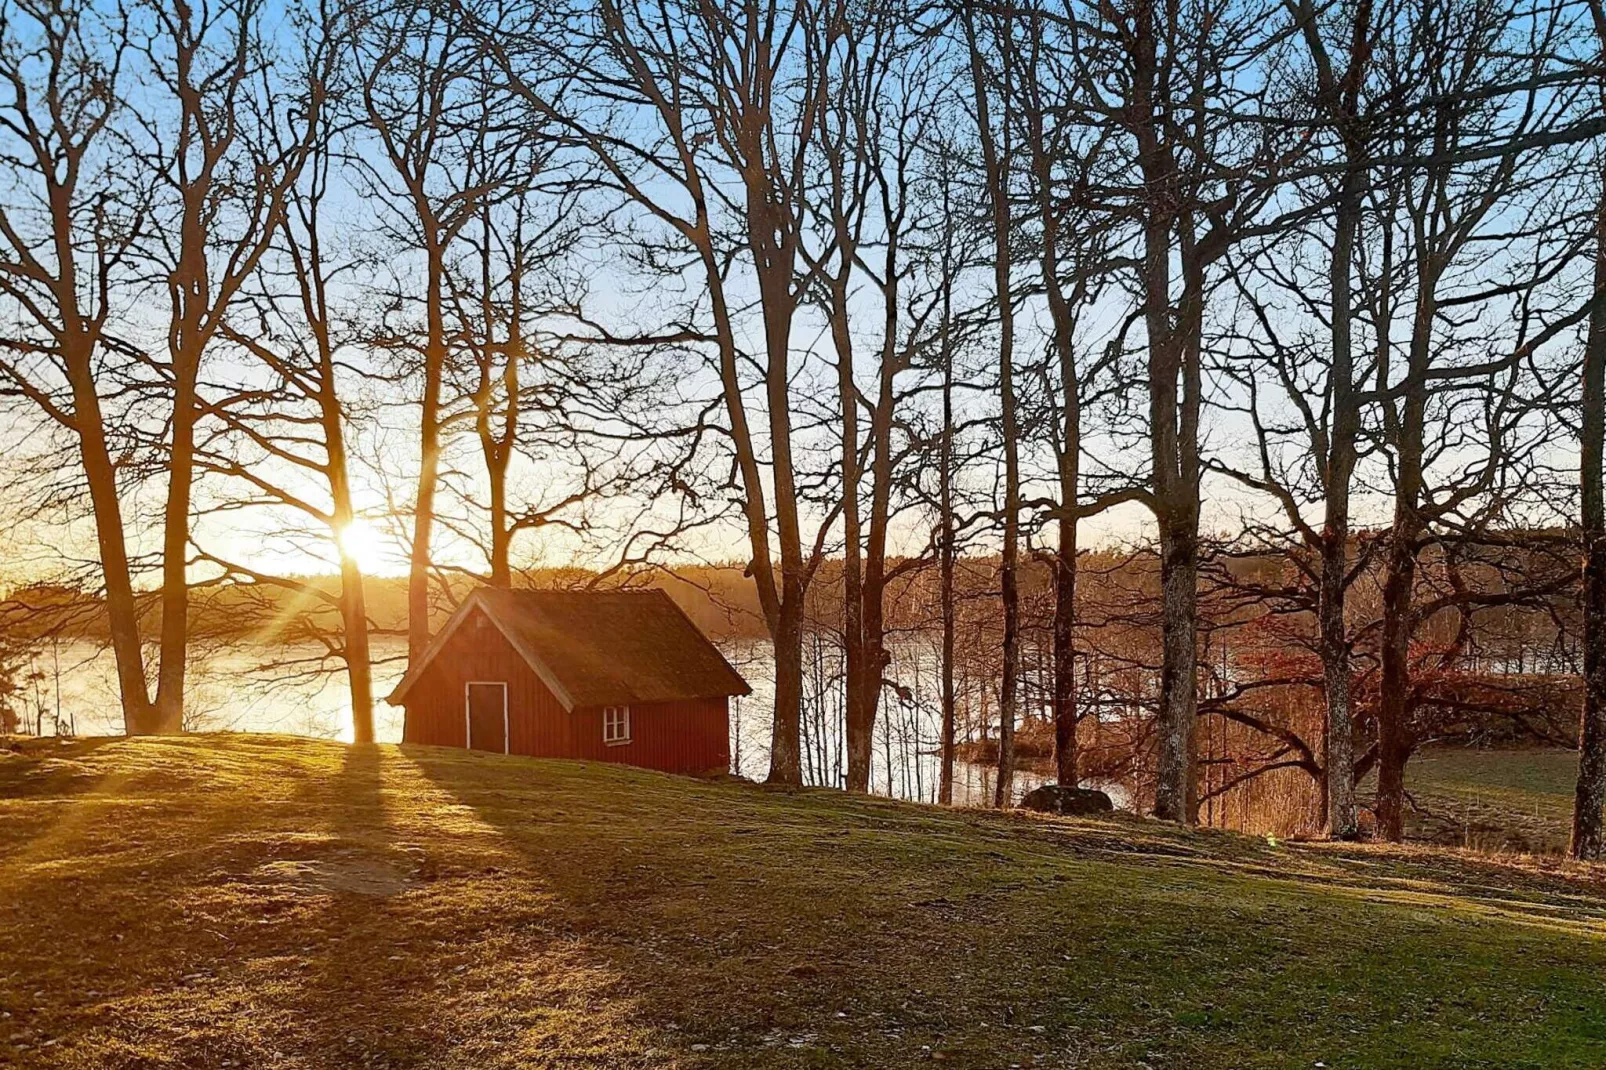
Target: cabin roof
<point x="597" y="648"/>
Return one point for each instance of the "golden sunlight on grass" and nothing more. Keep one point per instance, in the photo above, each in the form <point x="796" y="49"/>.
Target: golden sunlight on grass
<point x="268" y="902"/>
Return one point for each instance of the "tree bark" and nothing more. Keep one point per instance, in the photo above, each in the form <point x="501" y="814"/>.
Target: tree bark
<point x="1588" y="841"/>
<point x="1173" y="368"/>
<point x="997" y="177"/>
<point x="122" y="610"/>
<point x="1343" y="103"/>
<point x="428" y="453"/>
<point x="1068" y="460"/>
<point x="859" y="728"/>
<point x="353" y="597"/>
<point x="169" y="715"/>
<point x="946" y="533"/>
<point x="1395" y="739"/>
<point x="1333" y="642"/>
<point x="786" y="750"/>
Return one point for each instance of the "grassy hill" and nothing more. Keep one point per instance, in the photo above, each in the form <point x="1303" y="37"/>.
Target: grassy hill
<point x="268" y="902"/>
<point x="1518" y="799"/>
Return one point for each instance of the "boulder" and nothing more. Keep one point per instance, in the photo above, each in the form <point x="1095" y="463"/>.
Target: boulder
<point x="1073" y="802"/>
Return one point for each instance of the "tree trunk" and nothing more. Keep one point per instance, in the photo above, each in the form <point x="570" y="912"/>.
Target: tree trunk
<point x="779" y="302"/>
<point x="996" y="166"/>
<point x="1065" y="755"/>
<point x="1339" y="758"/>
<point x="1394" y="701"/>
<point x="497" y="447"/>
<point x="859" y="728"/>
<point x="353" y="598"/>
<point x="1175" y="790"/>
<point x="1010" y="590"/>
<point x="429" y="458"/>
<point x="872" y="618"/>
<point x="359" y="660"/>
<point x="1174" y="337"/>
<point x="1590" y="796"/>
<point x="1343" y="102"/>
<point x="1395" y="737"/>
<point x="1174" y="430"/>
<point x="946" y="534"/>
<point x="1069" y="464"/>
<point x="122" y="611"/>
<point x="501" y="537"/>
<point x="176" y="543"/>
<point x="786" y="751"/>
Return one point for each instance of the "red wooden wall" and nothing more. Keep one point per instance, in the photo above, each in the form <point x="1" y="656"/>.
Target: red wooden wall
<point x="677" y="737"/>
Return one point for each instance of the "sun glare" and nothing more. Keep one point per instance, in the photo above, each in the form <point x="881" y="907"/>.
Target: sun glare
<point x="360" y="544"/>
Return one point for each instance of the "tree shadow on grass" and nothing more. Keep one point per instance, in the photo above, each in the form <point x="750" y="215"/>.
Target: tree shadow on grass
<point x="709" y="903"/>
<point x="813" y="928"/>
<point x="241" y="901"/>
<point x="425" y="948"/>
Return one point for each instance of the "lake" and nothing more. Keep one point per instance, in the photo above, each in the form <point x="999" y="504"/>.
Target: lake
<point x="298" y="690"/>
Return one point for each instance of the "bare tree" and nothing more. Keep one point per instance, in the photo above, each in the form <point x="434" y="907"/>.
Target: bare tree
<point x="225" y="175"/>
<point x="996" y="154"/>
<point x="287" y="430"/>
<point x="1467" y="180"/>
<point x="421" y="77"/>
<point x="68" y="227"/>
<point x="701" y="117"/>
<point x="1590" y="795"/>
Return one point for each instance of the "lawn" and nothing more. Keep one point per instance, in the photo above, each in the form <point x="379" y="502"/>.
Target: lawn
<point x="257" y="901"/>
<point x="1518" y="799"/>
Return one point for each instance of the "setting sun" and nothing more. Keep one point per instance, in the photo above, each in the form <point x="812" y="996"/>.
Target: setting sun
<point x="361" y="544"/>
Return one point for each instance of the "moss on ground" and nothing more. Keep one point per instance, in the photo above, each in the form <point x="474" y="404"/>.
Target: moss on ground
<point x="257" y="901"/>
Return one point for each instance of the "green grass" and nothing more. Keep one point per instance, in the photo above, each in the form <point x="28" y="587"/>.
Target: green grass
<point x="1493" y="800"/>
<point x="264" y="902"/>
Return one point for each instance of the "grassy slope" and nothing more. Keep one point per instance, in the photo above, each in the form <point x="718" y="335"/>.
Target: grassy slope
<point x="263" y="902"/>
<point x="1515" y="800"/>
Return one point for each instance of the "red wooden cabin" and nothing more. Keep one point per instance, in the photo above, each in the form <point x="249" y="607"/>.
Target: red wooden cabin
<point x="610" y="676"/>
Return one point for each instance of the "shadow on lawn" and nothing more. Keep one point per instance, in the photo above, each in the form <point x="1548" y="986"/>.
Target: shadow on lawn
<point x="434" y="946"/>
<point x="706" y="906"/>
<point x="362" y="964"/>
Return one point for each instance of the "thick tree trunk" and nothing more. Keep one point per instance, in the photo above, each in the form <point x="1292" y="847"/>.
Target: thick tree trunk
<point x="872" y="618"/>
<point x="1395" y="734"/>
<point x="779" y="303"/>
<point x="501" y="537"/>
<point x="1175" y="788"/>
<point x="1174" y="429"/>
<point x="945" y="774"/>
<point x="353" y="598"/>
<point x="122" y="611"/>
<point x="1339" y="757"/>
<point x="497" y="447"/>
<point x="786" y="751"/>
<point x="1065" y="755"/>
<point x="359" y="659"/>
<point x="1394" y="738"/>
<point x="175" y="547"/>
<point x="1069" y="464"/>
<point x="1174" y="338"/>
<point x="1590" y="796"/>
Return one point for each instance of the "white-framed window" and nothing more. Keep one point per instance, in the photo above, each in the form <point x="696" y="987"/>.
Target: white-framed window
<point x="615" y="725"/>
